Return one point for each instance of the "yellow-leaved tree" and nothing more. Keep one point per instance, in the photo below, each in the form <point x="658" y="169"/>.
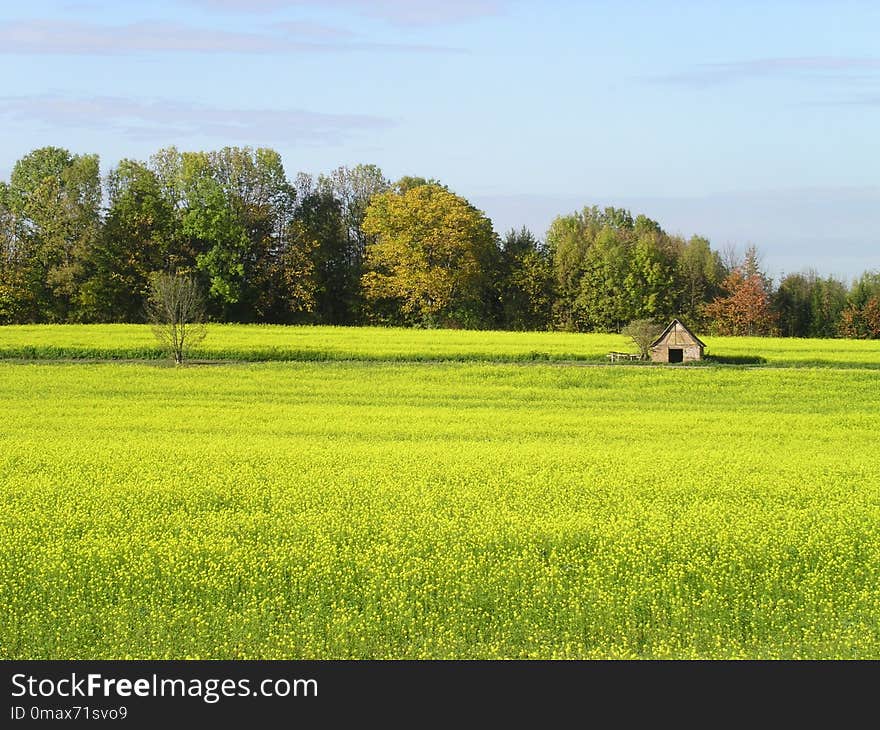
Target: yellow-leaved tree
<point x="431" y="258"/>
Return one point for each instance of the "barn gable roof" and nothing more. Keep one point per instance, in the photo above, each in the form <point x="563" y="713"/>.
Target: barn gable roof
<point x="670" y="327"/>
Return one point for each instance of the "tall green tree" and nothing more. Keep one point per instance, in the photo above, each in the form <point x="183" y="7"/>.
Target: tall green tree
<point x="140" y="236"/>
<point x="699" y="272"/>
<point x="827" y="304"/>
<point x="651" y="282"/>
<point x="54" y="198"/>
<point x="605" y="300"/>
<point x="609" y="268"/>
<point x="318" y="227"/>
<point x="865" y="288"/>
<point x="808" y="305"/>
<point x="792" y="302"/>
<point x="219" y="235"/>
<point x="569" y="238"/>
<point x="353" y="188"/>
<point x="524" y="282"/>
<point x="432" y="255"/>
<point x="237" y="209"/>
<point x="16" y="295"/>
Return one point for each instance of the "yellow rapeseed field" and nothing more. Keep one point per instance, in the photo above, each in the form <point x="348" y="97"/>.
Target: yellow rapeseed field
<point x="438" y="510"/>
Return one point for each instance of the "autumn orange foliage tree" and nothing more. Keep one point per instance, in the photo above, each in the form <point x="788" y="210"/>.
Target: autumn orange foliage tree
<point x="862" y="322"/>
<point x="746" y="308"/>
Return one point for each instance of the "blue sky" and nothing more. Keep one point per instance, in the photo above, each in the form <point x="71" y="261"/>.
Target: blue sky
<point x="748" y="122"/>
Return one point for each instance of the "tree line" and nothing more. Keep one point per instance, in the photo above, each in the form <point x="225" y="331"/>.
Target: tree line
<point x="353" y="247"/>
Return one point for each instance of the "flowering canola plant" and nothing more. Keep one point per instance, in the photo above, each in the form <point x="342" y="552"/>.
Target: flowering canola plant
<point x="438" y="510"/>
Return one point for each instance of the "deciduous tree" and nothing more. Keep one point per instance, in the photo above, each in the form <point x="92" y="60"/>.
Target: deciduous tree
<point x="236" y="206"/>
<point x="176" y="309"/>
<point x="745" y="308"/>
<point x="862" y="322"/>
<point x="699" y="272"/>
<point x="604" y="302"/>
<point x="808" y="305"/>
<point x="525" y="282"/>
<point x="54" y="198"/>
<point x="431" y="255"/>
<point x="139" y="237"/>
<point x="643" y="332"/>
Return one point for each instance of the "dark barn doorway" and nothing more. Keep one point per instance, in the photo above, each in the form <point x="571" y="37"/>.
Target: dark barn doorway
<point x="676" y="355"/>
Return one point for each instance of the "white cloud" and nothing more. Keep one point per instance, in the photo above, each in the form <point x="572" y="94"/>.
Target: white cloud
<point x="813" y="67"/>
<point x="168" y="121"/>
<point x="397" y="12"/>
<point x="81" y="38"/>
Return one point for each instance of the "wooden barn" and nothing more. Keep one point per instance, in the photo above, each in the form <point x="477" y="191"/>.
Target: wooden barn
<point x="677" y="344"/>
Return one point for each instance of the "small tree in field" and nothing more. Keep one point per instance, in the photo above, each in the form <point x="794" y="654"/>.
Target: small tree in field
<point x="176" y="309"/>
<point x="643" y="332"/>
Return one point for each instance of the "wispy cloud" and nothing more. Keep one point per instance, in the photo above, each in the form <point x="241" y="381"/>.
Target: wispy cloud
<point x="811" y="67"/>
<point x="82" y="7"/>
<point x="863" y="100"/>
<point x="314" y="31"/>
<point x="397" y="12"/>
<point x="81" y="38"/>
<point x="168" y="121"/>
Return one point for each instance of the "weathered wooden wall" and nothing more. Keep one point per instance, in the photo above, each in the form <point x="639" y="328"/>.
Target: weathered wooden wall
<point x="677" y="338"/>
<point x="690" y="354"/>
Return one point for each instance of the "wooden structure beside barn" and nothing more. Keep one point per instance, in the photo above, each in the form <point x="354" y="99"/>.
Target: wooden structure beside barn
<point x="677" y="344"/>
